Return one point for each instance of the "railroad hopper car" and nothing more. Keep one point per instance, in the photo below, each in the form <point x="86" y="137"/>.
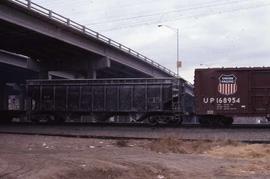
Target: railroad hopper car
<point x="223" y="93"/>
<point x="153" y="100"/>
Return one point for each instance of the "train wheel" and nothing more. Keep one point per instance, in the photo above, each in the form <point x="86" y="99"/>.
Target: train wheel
<point x="153" y="120"/>
<point x="103" y="117"/>
<point x="216" y="122"/>
<point x="221" y="121"/>
<point x="177" y="120"/>
<point x="204" y="121"/>
<point x="56" y="119"/>
<point x="35" y="121"/>
<point x="35" y="118"/>
<point x="41" y="118"/>
<point x="227" y="121"/>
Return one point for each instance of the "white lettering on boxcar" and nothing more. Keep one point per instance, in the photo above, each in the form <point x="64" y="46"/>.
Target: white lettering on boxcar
<point x="205" y="100"/>
<point x="222" y="100"/>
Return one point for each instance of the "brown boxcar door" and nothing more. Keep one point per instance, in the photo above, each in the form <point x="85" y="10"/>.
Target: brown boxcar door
<point x="260" y="92"/>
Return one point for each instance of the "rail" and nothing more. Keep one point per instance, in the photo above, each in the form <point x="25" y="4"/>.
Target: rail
<point x="241" y="133"/>
<point x="83" y="29"/>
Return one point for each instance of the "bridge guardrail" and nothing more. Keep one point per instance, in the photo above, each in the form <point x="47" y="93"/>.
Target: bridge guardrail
<point x="74" y="25"/>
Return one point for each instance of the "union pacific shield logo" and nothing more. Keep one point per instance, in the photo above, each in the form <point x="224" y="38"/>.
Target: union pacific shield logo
<point x="227" y="84"/>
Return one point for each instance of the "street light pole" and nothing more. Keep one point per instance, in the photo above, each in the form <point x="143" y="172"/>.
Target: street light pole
<point x="177" y="46"/>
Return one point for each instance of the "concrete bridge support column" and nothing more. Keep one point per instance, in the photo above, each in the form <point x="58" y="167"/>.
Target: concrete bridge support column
<point x="96" y="65"/>
<point x="91" y="74"/>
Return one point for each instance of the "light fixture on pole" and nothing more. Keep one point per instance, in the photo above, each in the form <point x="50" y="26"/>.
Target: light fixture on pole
<point x="178" y="62"/>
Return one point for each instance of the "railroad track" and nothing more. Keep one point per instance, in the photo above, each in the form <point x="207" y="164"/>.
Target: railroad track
<point x="131" y="125"/>
<point x="244" y="133"/>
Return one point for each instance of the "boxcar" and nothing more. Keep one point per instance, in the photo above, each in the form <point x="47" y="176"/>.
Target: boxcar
<point x="103" y="98"/>
<point x="222" y="93"/>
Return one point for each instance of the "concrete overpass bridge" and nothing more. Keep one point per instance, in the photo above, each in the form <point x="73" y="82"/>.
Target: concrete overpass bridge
<point x="56" y="43"/>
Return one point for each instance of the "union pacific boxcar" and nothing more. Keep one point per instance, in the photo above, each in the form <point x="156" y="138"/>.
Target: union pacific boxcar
<point x="222" y="93"/>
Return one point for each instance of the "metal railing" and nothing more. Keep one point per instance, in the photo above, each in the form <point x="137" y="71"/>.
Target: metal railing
<point x="76" y="26"/>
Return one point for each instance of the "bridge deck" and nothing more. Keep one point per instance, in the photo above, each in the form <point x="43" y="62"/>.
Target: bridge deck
<point x="84" y="31"/>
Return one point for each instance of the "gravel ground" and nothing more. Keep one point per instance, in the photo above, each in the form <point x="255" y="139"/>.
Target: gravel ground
<point x="34" y="157"/>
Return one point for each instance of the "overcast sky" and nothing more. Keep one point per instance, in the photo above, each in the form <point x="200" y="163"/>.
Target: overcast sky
<point x="213" y="33"/>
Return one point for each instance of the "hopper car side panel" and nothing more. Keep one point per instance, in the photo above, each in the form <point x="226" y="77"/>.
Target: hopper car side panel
<point x="107" y="96"/>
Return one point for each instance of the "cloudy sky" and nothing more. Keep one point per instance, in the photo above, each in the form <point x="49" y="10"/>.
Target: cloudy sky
<point x="213" y="33"/>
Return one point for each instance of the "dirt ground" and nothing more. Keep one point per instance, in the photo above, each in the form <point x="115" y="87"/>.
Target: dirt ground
<point x="34" y="157"/>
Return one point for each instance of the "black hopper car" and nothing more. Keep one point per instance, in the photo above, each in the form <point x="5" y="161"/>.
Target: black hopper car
<point x="153" y="100"/>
